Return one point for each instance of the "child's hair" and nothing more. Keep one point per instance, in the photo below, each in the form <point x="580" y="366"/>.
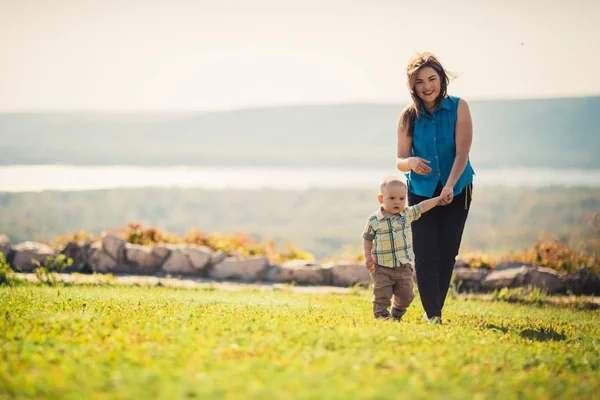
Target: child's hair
<point x="390" y="180"/>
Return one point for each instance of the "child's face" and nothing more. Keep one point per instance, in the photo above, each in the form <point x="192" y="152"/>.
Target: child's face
<point x="393" y="198"/>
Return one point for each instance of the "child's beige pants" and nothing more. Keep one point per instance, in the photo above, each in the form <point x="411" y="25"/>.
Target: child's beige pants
<point x="392" y="282"/>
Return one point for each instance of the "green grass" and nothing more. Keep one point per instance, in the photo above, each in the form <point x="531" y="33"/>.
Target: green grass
<point x="157" y="342"/>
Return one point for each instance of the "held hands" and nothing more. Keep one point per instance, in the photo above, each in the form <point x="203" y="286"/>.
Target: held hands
<point x="446" y="196"/>
<point x="370" y="263"/>
<point x="419" y="165"/>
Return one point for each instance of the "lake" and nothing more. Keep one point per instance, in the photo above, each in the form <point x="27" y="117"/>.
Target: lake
<point x="24" y="178"/>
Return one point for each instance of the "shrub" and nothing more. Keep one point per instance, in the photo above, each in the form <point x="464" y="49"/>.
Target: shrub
<point x="7" y="275"/>
<point x="78" y="237"/>
<point x="45" y="272"/>
<point x="479" y="261"/>
<point x="240" y="244"/>
<point x="556" y="255"/>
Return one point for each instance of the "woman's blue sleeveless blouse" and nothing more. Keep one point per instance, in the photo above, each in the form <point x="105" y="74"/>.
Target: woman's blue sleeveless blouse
<point x="434" y="141"/>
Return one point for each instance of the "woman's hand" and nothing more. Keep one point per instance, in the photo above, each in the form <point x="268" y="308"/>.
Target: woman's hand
<point x="446" y="196"/>
<point x="419" y="165"/>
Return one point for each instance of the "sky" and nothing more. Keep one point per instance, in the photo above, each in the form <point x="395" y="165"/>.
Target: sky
<point x="203" y="55"/>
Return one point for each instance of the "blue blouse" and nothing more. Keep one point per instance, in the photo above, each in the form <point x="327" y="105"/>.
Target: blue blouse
<point x="434" y="140"/>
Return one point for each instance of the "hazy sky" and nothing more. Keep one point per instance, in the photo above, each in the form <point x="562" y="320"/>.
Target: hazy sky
<point x="203" y="55"/>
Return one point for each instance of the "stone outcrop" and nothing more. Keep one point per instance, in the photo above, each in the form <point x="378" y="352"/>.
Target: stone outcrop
<point x="80" y="254"/>
<point x="113" y="255"/>
<point x="510" y="265"/>
<point x="249" y="269"/>
<point x="583" y="282"/>
<point x="469" y="279"/>
<point x="460" y="263"/>
<point x="186" y="259"/>
<point x="298" y="271"/>
<point x="100" y="260"/>
<point x="26" y="252"/>
<point x="545" y="279"/>
<point x="114" y="247"/>
<point x="344" y="273"/>
<point x="6" y="248"/>
<point x="144" y="260"/>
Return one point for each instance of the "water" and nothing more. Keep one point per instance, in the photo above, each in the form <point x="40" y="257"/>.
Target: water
<point x="66" y="177"/>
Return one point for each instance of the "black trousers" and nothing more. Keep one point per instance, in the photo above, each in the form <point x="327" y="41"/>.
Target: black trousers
<point x="436" y="241"/>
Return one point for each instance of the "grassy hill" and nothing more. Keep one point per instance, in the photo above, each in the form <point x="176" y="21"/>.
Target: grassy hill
<point x="543" y="132"/>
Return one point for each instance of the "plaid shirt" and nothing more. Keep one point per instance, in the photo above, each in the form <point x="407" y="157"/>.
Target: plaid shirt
<point x="392" y="236"/>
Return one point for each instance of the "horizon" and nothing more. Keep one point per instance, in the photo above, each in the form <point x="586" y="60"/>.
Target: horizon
<point x="274" y="106"/>
<point x="189" y="56"/>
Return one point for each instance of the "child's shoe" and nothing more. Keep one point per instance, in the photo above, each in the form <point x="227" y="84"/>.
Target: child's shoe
<point x="397" y="314"/>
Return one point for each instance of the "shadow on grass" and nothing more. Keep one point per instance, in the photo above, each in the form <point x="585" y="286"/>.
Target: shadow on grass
<point x="498" y="328"/>
<point x="542" y="335"/>
<point x="538" y="334"/>
<point x="518" y="296"/>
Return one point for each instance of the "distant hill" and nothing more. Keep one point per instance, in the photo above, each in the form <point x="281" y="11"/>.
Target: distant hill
<point x="501" y="220"/>
<point x="543" y="133"/>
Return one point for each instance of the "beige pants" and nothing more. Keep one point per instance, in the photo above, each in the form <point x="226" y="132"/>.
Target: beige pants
<point x="392" y="282"/>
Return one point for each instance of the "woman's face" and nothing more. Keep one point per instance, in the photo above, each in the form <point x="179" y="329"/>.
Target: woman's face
<point x="427" y="85"/>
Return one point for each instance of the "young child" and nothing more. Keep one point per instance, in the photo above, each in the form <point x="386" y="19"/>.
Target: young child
<point x="387" y="245"/>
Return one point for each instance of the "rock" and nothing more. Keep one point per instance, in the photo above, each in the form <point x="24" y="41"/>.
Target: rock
<point x="345" y="273"/>
<point x="6" y="248"/>
<point x="543" y="278"/>
<point x="299" y="271"/>
<point x="504" y="279"/>
<point x="469" y="279"/>
<point x="218" y="257"/>
<point x="200" y="256"/>
<point x="143" y="259"/>
<point x="114" y="247"/>
<point x="186" y="259"/>
<point x="300" y="264"/>
<point x="584" y="281"/>
<point x="327" y="271"/>
<point x="460" y="263"/>
<point x="161" y="252"/>
<point x="27" y="251"/>
<point x="177" y="263"/>
<point x="547" y="279"/>
<point x="501" y="266"/>
<point x="246" y="269"/>
<point x="80" y="254"/>
<point x="100" y="261"/>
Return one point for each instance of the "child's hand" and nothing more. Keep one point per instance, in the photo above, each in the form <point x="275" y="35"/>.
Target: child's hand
<point x="370" y="263"/>
<point x="446" y="196"/>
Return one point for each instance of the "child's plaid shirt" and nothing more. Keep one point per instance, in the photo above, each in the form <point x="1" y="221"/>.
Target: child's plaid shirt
<point x="392" y="236"/>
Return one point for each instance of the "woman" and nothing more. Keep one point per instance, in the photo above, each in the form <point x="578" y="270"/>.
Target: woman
<point x="434" y="139"/>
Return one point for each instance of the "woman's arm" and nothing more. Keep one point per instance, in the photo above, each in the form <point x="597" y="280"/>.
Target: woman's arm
<point x="404" y="161"/>
<point x="463" y="138"/>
